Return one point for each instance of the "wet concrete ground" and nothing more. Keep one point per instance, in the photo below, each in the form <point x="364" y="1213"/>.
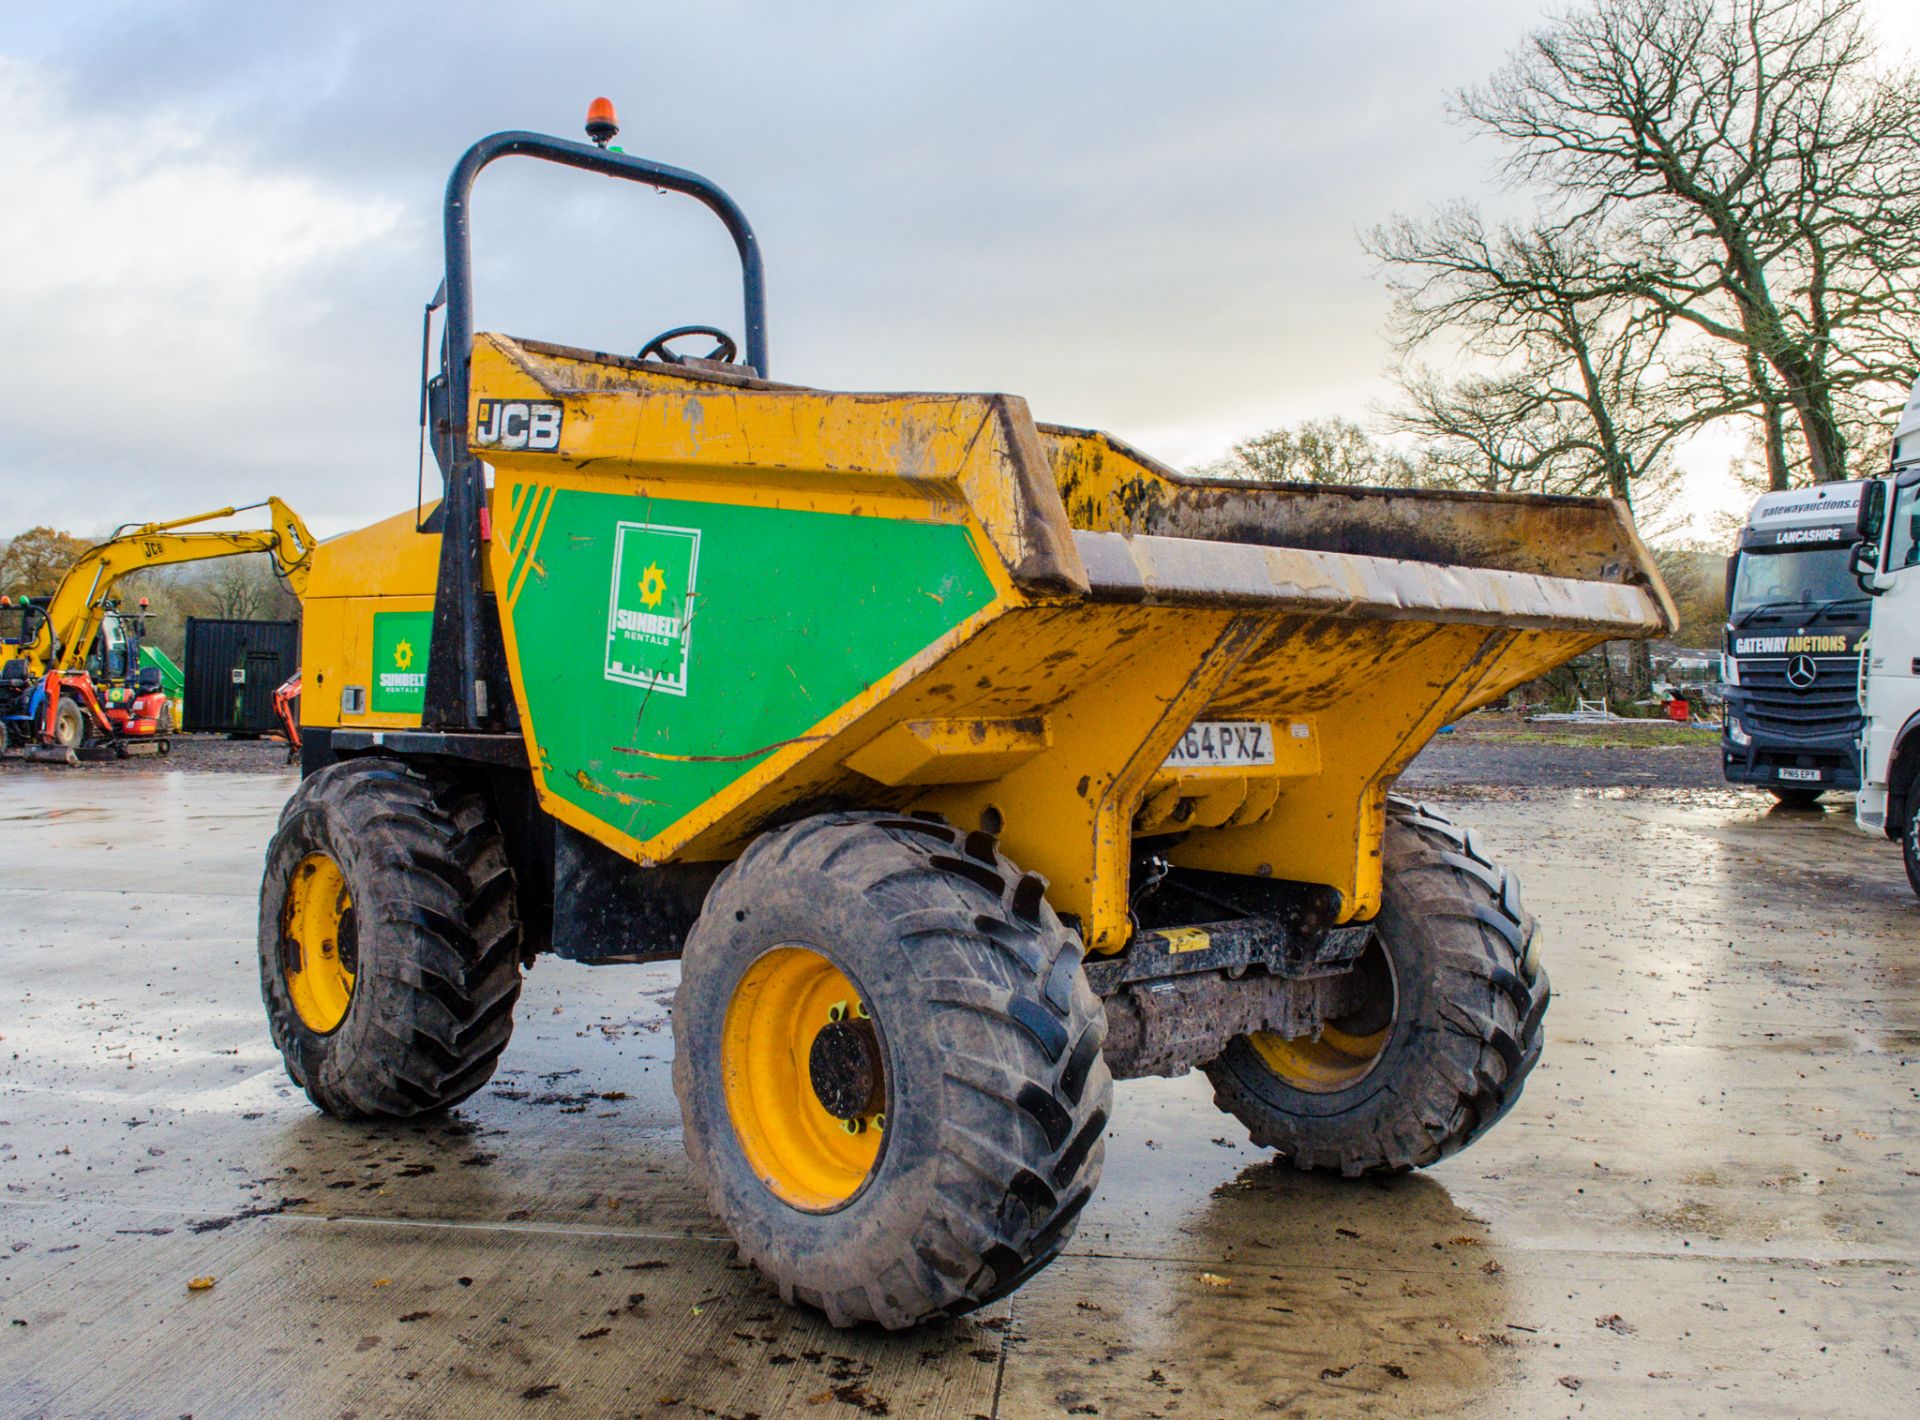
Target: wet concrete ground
<point x="1705" y="1203"/>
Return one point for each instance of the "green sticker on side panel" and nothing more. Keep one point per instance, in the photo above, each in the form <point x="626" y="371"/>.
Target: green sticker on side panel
<point x="649" y="629"/>
<point x="400" y="642"/>
<point x="668" y="647"/>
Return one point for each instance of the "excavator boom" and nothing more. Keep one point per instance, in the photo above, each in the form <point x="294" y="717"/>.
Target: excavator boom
<point x="75" y="610"/>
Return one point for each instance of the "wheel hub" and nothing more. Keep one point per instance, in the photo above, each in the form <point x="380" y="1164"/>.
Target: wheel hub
<point x="1344" y="1051"/>
<point x="844" y="1068"/>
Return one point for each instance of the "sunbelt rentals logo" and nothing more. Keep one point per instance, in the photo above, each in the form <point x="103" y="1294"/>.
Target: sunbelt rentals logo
<point x="400" y="642"/>
<point x="650" y="607"/>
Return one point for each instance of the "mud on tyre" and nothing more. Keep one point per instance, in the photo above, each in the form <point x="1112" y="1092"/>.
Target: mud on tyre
<point x="389" y="940"/>
<point x="889" y="1066"/>
<point x="1448" y="1032"/>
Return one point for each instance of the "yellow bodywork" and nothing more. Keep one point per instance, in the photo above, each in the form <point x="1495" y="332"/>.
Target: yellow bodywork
<point x="1126" y="603"/>
<point x="390" y="566"/>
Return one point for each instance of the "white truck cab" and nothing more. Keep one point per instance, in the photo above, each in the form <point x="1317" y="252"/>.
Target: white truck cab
<point x="1887" y="562"/>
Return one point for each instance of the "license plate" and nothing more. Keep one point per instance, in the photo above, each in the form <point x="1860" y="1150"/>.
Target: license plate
<point x="1803" y="776"/>
<point x="1232" y="744"/>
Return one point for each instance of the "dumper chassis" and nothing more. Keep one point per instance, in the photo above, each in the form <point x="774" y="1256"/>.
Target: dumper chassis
<point x="965" y="764"/>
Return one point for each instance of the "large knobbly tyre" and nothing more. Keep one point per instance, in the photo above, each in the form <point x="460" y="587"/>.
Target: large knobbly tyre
<point x="1910" y="840"/>
<point x="1451" y="1028"/>
<point x="389" y="940"/>
<point x="889" y="1065"/>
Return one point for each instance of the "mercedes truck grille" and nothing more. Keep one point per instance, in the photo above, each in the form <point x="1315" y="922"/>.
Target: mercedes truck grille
<point x="1801" y="697"/>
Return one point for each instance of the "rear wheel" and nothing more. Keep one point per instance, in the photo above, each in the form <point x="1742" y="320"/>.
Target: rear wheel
<point x="888" y="1064"/>
<point x="1795" y="798"/>
<point x="389" y="940"/>
<point x="1448" y="1028"/>
<point x="69" y="724"/>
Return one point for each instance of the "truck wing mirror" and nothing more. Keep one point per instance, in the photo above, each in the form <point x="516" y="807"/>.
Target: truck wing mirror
<point x="1871" y="520"/>
<point x="1733" y="568"/>
<point x="1865" y="565"/>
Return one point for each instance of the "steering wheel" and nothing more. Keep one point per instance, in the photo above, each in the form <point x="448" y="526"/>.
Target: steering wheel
<point x="723" y="351"/>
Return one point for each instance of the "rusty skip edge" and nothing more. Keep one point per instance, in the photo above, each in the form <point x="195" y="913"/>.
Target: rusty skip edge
<point x="1182" y="572"/>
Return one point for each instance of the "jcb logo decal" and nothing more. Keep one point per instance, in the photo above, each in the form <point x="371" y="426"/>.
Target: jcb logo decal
<point x="530" y="424"/>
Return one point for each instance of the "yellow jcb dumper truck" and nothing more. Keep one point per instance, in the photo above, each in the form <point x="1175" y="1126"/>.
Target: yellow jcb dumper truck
<point x="965" y="763"/>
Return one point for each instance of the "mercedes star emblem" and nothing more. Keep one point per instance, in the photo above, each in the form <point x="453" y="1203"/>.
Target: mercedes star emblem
<point x="1802" y="672"/>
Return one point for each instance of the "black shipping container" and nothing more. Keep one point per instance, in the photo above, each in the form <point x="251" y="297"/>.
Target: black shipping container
<point x="232" y="670"/>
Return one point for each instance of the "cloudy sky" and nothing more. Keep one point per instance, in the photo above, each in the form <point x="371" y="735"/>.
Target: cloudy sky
<point x="222" y="217"/>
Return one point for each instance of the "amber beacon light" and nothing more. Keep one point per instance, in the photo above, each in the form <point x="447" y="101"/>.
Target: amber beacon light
<point x="602" y="123"/>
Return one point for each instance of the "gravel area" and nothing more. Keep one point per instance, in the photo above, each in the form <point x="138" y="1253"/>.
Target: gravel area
<point x="1460" y="762"/>
<point x="192" y="754"/>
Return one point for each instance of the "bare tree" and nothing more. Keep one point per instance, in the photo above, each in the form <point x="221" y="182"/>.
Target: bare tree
<point x="1755" y="175"/>
<point x="1319" y="451"/>
<point x="236" y="588"/>
<point x="1574" y="394"/>
<point x="247" y="588"/>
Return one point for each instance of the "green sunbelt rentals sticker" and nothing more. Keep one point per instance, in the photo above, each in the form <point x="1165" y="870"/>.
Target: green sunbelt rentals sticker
<point x="650" y="606"/>
<point x="400" y="643"/>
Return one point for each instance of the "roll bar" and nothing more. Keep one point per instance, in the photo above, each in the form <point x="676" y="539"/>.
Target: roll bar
<point x="456" y="698"/>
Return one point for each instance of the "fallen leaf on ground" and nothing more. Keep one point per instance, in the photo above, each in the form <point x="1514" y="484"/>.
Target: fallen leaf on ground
<point x="200" y="1284"/>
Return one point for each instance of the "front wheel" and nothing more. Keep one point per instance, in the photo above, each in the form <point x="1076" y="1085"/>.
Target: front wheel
<point x="1447" y="1027"/>
<point x="389" y="940"/>
<point x="69" y="724"/>
<point x="888" y="1064"/>
<point x="1910" y="840"/>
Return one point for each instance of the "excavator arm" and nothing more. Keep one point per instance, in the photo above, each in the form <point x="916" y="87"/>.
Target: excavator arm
<point x="75" y="610"/>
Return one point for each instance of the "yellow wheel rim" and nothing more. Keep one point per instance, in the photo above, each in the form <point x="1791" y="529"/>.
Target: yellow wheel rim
<point x="806" y="1156"/>
<point x="1345" y="1051"/>
<point x="318" y="943"/>
<point x="1321" y="1066"/>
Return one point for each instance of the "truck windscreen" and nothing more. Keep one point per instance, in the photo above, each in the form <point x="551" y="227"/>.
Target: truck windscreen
<point x="1905" y="549"/>
<point x="1790" y="580"/>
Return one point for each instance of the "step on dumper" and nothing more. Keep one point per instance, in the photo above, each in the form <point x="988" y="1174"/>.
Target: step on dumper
<point x="965" y="762"/>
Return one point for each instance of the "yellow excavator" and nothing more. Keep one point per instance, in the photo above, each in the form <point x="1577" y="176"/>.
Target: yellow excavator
<point x="70" y="668"/>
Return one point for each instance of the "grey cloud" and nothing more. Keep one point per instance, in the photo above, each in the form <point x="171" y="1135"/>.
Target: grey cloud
<point x="1140" y="216"/>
